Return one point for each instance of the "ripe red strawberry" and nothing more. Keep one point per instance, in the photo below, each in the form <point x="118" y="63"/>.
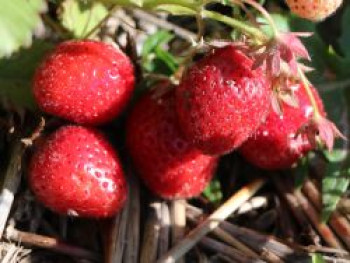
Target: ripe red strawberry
<point x="166" y="162"/>
<point x="221" y="101"/>
<point x="84" y="81"/>
<point x="314" y="10"/>
<point x="274" y="145"/>
<point x="76" y="172"/>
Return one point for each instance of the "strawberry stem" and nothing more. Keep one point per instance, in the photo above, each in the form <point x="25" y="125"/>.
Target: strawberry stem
<point x="263" y="11"/>
<point x="153" y="4"/>
<point x="253" y="31"/>
<point x="306" y="84"/>
<point x="98" y="26"/>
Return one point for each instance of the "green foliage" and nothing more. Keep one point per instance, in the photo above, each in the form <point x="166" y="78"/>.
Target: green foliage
<point x="334" y="185"/>
<point x="176" y="10"/>
<point x="341" y="63"/>
<point x="282" y="23"/>
<point x="16" y="74"/>
<point x="155" y="4"/>
<point x="155" y="59"/>
<point x="317" y="258"/>
<point x="80" y="17"/>
<point x="213" y="192"/>
<point x="18" y="20"/>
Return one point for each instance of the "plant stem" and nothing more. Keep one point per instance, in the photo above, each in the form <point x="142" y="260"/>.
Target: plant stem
<point x="306" y="84"/>
<point x="10" y="185"/>
<point x="153" y="4"/>
<point x="99" y="24"/>
<point x="250" y="30"/>
<point x="50" y="243"/>
<point x="212" y="221"/>
<point x="263" y="11"/>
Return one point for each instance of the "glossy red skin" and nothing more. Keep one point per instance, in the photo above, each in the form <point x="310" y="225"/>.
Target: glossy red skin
<point x="76" y="172"/>
<point x="166" y="162"/>
<point x="274" y="145"/>
<point x="221" y="101"/>
<point x="87" y="82"/>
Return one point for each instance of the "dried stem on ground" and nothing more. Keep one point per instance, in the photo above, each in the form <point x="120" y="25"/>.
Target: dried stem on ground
<point x="151" y="233"/>
<point x="162" y="23"/>
<point x="338" y="222"/>
<point x="10" y="253"/>
<point x="324" y="230"/>
<point x="296" y="210"/>
<point x="212" y="221"/>
<point x="50" y="243"/>
<point x="229" y="251"/>
<point x="194" y="215"/>
<point x="344" y="205"/>
<point x="286" y="224"/>
<point x="133" y="228"/>
<point x="327" y="250"/>
<point x="115" y="235"/>
<point x="11" y="181"/>
<point x="268" y="248"/>
<point x="253" y="204"/>
<point x="178" y="222"/>
<point x="229" y="239"/>
<point x="164" y="236"/>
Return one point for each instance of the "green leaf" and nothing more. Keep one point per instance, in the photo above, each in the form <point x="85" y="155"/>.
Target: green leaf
<point x="334" y="185"/>
<point x="18" y="20"/>
<point x="16" y="74"/>
<point x="155" y="40"/>
<point x="80" y="17"/>
<point x="138" y="3"/>
<point x="176" y="10"/>
<point x="155" y="58"/>
<point x="167" y="58"/>
<point x="282" y="23"/>
<point x="213" y="191"/>
<point x="337" y="155"/>
<point x="317" y="258"/>
<point x="341" y="64"/>
<point x="337" y="174"/>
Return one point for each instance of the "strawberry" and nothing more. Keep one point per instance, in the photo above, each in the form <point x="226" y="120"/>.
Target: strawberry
<point x="221" y="101"/>
<point x="314" y="10"/>
<point x="166" y="162"/>
<point x="275" y="144"/>
<point x="76" y="172"/>
<point x="87" y="82"/>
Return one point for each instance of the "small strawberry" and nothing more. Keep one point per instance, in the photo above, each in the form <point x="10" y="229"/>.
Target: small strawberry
<point x="76" y="172"/>
<point x="276" y="145"/>
<point x="221" y="101"/>
<point x="314" y="10"/>
<point x="166" y="162"/>
<point x="84" y="81"/>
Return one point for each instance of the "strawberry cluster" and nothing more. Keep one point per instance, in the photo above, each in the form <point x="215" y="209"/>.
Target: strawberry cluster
<point x="222" y="104"/>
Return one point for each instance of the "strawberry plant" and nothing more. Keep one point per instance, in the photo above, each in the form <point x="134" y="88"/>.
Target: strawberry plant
<point x="216" y="109"/>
